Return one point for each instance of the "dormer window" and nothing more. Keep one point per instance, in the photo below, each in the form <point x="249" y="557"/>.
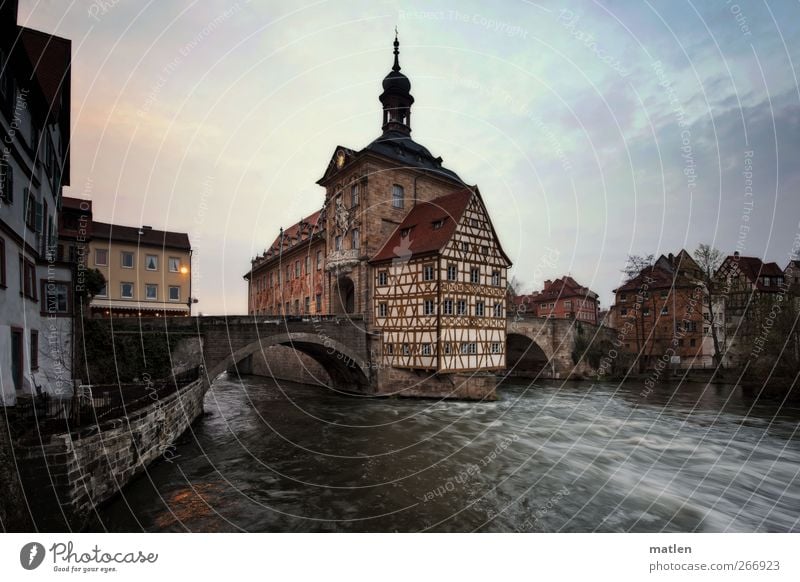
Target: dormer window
<point x="404" y="232"/>
<point x="437" y="224"/>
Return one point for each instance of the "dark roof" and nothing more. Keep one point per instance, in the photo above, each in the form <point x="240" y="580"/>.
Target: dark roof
<point x="401" y="148"/>
<point x="683" y="261"/>
<point x="75" y="203"/>
<point x="753" y="268"/>
<point x="658" y="279"/>
<point x="422" y="238"/>
<point x="50" y="58"/>
<point x="795" y="264"/>
<point x="148" y="236"/>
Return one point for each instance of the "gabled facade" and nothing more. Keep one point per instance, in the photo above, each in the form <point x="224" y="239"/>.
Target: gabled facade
<point x="35" y="309"/>
<point x="440" y="283"/>
<point x="745" y="289"/>
<point x="563" y="298"/>
<point x="659" y="315"/>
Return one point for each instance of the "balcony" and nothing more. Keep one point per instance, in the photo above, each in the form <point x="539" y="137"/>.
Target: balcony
<point x="342" y="260"/>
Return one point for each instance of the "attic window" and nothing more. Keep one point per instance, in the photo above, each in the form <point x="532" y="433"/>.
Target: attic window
<point x="404" y="232"/>
<point x="437" y="224"/>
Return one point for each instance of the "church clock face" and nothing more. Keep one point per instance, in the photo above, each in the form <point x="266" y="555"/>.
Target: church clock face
<point x="339" y="159"/>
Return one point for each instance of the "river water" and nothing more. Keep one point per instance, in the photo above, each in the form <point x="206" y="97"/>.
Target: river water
<point x="545" y="457"/>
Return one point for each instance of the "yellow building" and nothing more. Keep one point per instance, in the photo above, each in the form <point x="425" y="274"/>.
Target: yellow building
<point x="148" y="272"/>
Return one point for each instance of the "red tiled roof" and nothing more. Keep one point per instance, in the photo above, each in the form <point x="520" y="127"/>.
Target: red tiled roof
<point x="149" y="236"/>
<point x="309" y="225"/>
<point x="562" y="288"/>
<point x="422" y="237"/>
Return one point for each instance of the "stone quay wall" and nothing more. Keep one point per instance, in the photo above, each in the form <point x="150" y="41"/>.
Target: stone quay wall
<point x="68" y="475"/>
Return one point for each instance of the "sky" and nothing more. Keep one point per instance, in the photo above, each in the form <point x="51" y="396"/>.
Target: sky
<point x="594" y="130"/>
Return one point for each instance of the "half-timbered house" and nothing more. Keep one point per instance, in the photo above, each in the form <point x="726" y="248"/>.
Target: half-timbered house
<point x="439" y="288"/>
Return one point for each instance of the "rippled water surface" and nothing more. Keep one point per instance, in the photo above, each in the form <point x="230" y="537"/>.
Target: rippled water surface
<point x="545" y="457"/>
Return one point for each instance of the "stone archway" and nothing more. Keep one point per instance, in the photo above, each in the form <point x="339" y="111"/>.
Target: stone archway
<point x="526" y="359"/>
<point x="346" y="370"/>
<point x="344" y="296"/>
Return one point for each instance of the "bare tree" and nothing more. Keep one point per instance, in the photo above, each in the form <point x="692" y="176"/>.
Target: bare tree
<point x="513" y="288"/>
<point x="634" y="271"/>
<point x="709" y="260"/>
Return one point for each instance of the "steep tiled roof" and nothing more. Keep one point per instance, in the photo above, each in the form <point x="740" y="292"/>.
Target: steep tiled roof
<point x="657" y="278"/>
<point x="753" y="268"/>
<point x="141" y="235"/>
<point x="305" y="227"/>
<point x="419" y="224"/>
<point x="562" y="288"/>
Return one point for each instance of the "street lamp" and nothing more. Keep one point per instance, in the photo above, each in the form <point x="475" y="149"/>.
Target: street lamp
<point x="187" y="270"/>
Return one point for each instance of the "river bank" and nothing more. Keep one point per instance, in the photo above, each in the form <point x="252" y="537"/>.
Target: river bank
<point x="547" y="456"/>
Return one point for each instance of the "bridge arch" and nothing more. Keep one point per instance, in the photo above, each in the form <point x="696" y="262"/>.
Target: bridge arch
<point x="346" y="369"/>
<point x="526" y="358"/>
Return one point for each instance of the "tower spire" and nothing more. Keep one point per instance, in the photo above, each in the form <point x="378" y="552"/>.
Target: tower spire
<point x="396" y="97"/>
<point x="396" y="66"/>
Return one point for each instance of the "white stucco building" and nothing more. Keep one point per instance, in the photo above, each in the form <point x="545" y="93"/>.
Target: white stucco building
<point x="35" y="289"/>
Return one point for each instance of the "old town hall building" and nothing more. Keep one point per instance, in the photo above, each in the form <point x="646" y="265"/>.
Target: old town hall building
<point x="401" y="241"/>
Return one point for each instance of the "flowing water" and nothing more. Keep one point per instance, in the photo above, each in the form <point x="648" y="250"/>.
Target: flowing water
<point x="545" y="457"/>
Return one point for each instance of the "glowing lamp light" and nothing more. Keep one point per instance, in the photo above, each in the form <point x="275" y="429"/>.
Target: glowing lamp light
<point x="184" y="270"/>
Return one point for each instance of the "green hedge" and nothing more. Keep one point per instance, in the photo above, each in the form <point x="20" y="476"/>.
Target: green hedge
<point x="123" y="357"/>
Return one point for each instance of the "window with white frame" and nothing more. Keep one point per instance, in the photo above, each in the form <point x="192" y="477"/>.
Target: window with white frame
<point x="101" y="257"/>
<point x="126" y="260"/>
<point x="151" y="262"/>
<point x="151" y="291"/>
<point x="429" y="307"/>
<point x="398" y="196"/>
<point x="126" y="290"/>
<point x="174" y="293"/>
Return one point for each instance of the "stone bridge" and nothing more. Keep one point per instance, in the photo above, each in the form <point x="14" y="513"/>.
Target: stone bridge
<point x="223" y="343"/>
<point x="536" y="347"/>
<point x="542" y="347"/>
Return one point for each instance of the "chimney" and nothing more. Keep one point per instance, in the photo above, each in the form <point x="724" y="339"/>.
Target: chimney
<point x="736" y="254"/>
<point x="547" y="284"/>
